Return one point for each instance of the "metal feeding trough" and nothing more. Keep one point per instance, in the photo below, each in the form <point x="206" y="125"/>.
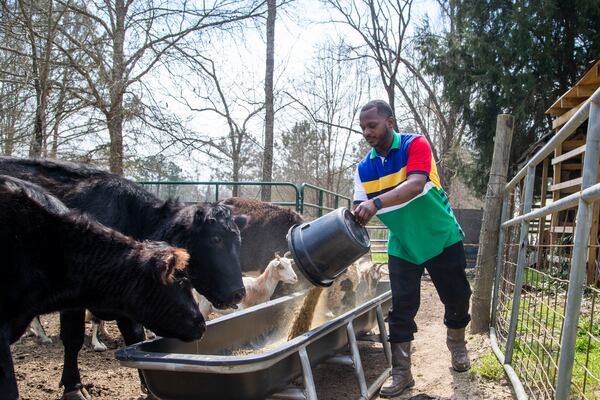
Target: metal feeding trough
<point x="206" y="369"/>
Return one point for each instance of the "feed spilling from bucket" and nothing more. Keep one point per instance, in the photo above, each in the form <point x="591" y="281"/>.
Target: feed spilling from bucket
<point x="323" y="249"/>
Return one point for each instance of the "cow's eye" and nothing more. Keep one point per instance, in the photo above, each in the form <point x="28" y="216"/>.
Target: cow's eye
<point x="216" y="240"/>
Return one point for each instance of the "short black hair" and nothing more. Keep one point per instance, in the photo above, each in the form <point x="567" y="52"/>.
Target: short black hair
<point x="383" y="108"/>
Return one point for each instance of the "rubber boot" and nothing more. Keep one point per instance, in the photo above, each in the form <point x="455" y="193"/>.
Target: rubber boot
<point x="401" y="377"/>
<point x="455" y="340"/>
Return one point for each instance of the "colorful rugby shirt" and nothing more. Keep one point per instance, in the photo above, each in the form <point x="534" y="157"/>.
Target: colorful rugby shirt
<point x="424" y="226"/>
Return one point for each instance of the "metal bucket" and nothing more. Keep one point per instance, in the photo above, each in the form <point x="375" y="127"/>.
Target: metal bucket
<point x="325" y="247"/>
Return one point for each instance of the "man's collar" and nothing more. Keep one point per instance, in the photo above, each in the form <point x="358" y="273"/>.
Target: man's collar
<point x="395" y="145"/>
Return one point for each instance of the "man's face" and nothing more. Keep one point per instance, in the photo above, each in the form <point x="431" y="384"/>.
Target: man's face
<point x="376" y="128"/>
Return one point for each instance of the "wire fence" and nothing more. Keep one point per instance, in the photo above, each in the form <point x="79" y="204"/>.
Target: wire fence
<point x="545" y="323"/>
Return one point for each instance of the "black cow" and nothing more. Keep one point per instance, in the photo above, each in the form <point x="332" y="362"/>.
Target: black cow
<point x="265" y="231"/>
<point x="53" y="259"/>
<point x="208" y="232"/>
<point x="265" y="234"/>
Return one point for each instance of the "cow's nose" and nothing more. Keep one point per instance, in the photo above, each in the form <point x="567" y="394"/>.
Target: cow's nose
<point x="238" y="295"/>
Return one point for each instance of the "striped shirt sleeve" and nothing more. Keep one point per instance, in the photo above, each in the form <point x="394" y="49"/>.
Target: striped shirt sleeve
<point x="359" y="191"/>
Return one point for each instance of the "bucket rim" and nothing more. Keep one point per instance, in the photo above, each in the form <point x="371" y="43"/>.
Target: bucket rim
<point x="343" y="211"/>
<point x="291" y="248"/>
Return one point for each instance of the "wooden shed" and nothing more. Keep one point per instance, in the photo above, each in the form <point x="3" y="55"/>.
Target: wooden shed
<point x="567" y="164"/>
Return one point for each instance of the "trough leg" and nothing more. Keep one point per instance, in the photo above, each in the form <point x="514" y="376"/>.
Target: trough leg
<point x="72" y="333"/>
<point x="309" y="382"/>
<point x="358" y="369"/>
<point x="8" y="383"/>
<point x="383" y="335"/>
<point x="132" y="333"/>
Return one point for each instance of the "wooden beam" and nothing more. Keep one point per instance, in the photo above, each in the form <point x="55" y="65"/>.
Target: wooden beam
<point x="585" y="90"/>
<point x="593" y="251"/>
<point x="570" y="154"/>
<point x="561" y="120"/>
<point x="566" y="102"/>
<point x="569" y="145"/>
<point x="592" y="77"/>
<point x="556" y="111"/>
<point x="572" y="166"/>
<point x="556" y="172"/>
<point x="566" y="184"/>
<point x="541" y="240"/>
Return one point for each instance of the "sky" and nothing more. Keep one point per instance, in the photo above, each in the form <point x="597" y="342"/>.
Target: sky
<point x="300" y="28"/>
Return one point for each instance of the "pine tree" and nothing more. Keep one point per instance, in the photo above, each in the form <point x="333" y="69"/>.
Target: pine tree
<point x="517" y="57"/>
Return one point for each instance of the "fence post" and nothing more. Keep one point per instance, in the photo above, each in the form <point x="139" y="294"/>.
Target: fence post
<point x="486" y="256"/>
<point x="301" y="195"/>
<point x="499" y="261"/>
<point x="298" y="199"/>
<point x="521" y="260"/>
<point x="583" y="224"/>
<point x="321" y="195"/>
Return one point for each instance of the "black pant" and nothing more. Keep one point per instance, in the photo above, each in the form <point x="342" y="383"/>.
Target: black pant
<point x="447" y="272"/>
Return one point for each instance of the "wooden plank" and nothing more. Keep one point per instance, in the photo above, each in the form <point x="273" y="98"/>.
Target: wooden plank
<point x="570" y="154"/>
<point x="593" y="251"/>
<point x="556" y="111"/>
<point x="559" y="121"/>
<point x="572" y="166"/>
<point x="569" y="145"/>
<point x="586" y="90"/>
<point x="541" y="239"/>
<point x="591" y="77"/>
<point x="567" y="102"/>
<point x="556" y="171"/>
<point x="567" y="184"/>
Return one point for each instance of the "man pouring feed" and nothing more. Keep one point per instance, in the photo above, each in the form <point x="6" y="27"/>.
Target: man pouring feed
<point x="398" y="181"/>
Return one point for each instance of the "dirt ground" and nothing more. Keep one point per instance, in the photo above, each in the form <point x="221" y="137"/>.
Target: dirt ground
<point x="38" y="367"/>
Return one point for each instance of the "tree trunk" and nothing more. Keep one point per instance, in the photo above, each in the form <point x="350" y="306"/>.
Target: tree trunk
<point x="9" y="140"/>
<point x="40" y="64"/>
<point x="117" y="90"/>
<point x="490" y="226"/>
<point x="235" y="176"/>
<point x="267" y="174"/>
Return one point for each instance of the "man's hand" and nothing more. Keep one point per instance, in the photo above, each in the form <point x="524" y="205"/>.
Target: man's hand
<point x="364" y="212"/>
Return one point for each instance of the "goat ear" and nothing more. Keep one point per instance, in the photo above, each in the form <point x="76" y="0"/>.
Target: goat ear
<point x="199" y="216"/>
<point x="174" y="261"/>
<point x="241" y="221"/>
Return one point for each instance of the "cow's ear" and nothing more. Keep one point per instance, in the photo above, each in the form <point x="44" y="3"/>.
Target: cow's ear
<point x="241" y="221"/>
<point x="174" y="261"/>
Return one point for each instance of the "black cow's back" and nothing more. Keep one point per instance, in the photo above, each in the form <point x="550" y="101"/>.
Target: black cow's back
<point x="113" y="200"/>
<point x="265" y="233"/>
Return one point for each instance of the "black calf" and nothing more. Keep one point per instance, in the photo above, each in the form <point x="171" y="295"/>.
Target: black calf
<point x="52" y="260"/>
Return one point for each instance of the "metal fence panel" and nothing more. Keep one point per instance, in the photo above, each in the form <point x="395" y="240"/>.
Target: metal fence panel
<point x="545" y="327"/>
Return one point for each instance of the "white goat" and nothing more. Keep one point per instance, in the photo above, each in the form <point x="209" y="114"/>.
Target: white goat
<point x="259" y="289"/>
<point x="204" y="305"/>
